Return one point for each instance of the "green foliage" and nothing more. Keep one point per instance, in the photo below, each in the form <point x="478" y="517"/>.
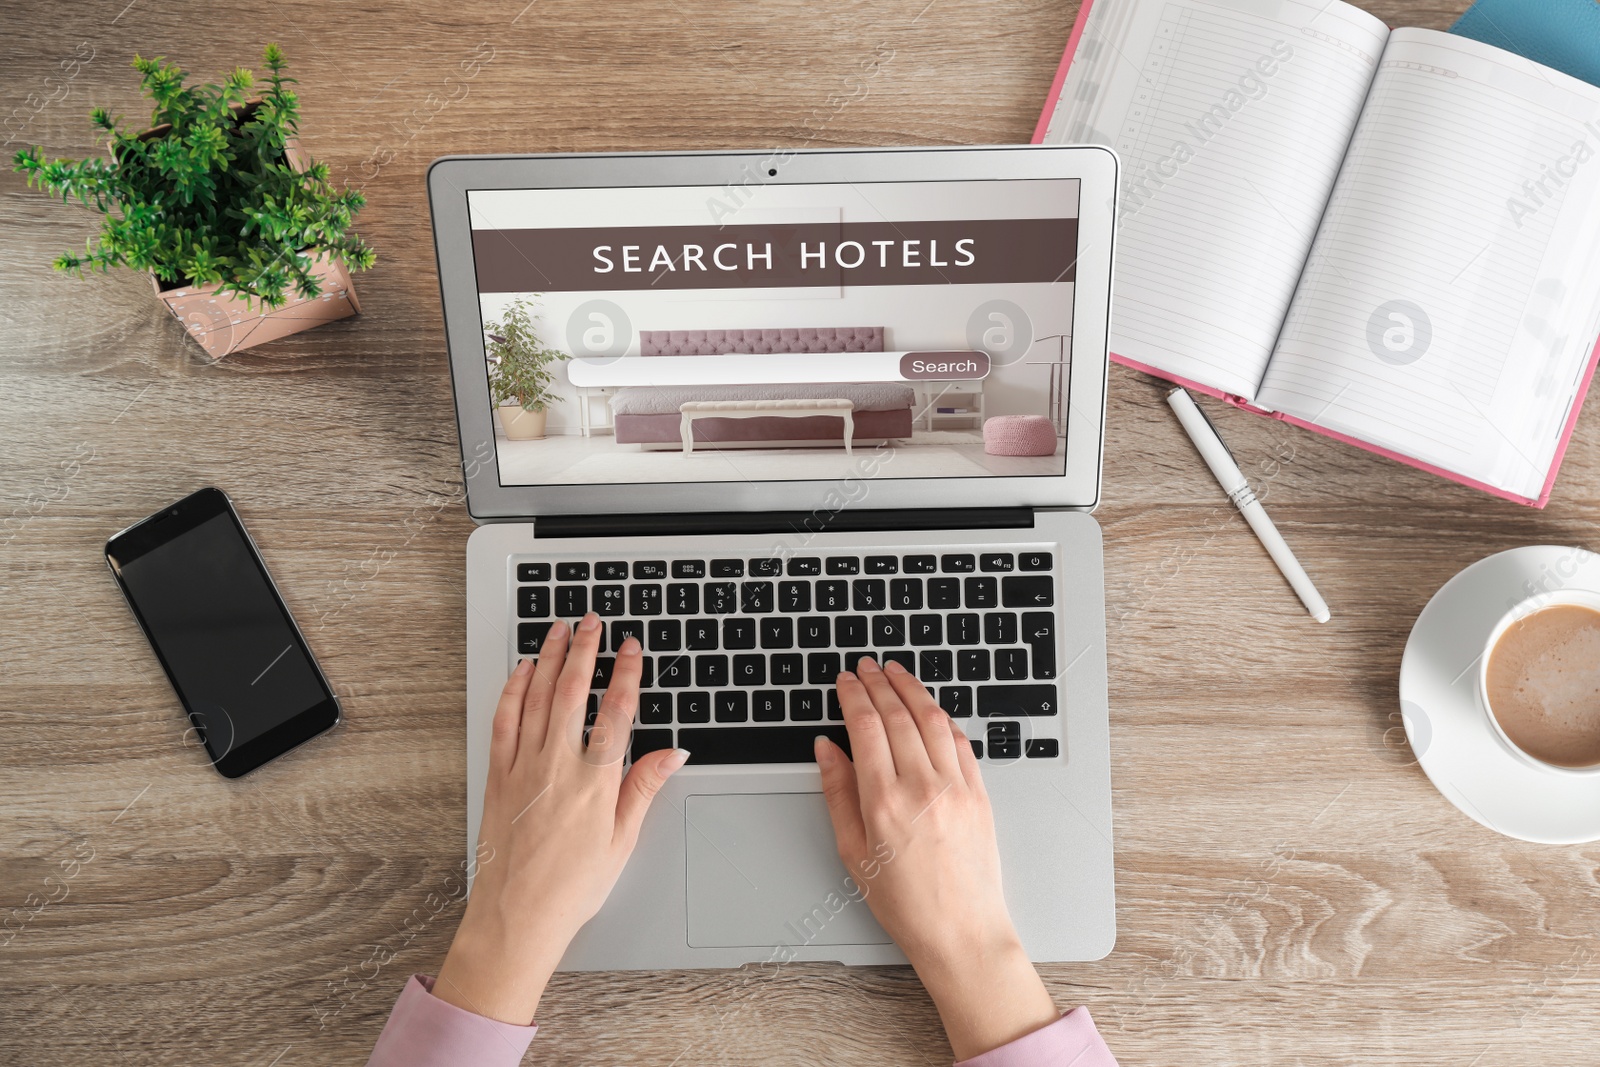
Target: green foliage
<point x="212" y="198"/>
<point x="519" y="367"/>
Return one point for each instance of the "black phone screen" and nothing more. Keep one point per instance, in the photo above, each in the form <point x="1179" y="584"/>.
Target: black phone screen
<point x="240" y="666"/>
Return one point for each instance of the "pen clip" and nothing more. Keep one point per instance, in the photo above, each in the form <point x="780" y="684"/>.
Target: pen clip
<point x="1217" y="435"/>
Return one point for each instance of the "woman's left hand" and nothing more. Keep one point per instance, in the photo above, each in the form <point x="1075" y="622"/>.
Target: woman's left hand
<point x="559" y="822"/>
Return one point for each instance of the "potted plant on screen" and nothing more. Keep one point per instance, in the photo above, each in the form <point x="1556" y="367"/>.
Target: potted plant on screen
<point x="244" y="238"/>
<point x="520" y="372"/>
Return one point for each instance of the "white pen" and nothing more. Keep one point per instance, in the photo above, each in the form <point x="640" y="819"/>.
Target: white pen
<point x="1220" y="460"/>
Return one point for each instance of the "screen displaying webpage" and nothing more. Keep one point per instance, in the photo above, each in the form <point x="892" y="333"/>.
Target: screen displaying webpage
<point x="778" y="332"/>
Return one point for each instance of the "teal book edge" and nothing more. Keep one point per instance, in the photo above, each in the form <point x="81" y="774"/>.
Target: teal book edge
<point x="1561" y="34"/>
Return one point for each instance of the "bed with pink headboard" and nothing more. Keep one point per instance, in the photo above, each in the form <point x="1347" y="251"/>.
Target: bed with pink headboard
<point x="649" y="416"/>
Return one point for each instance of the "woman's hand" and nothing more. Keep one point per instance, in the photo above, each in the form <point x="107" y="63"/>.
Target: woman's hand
<point x="915" y="831"/>
<point x="559" y="822"/>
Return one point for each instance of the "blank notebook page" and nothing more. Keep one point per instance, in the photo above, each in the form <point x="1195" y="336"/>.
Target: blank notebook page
<point x="1451" y="303"/>
<point x="1231" y="118"/>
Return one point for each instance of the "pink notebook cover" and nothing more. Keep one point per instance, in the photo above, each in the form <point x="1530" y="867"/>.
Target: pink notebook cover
<point x="1242" y="404"/>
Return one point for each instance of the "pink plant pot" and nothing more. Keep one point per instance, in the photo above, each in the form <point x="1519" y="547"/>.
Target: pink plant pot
<point x="1019" y="435"/>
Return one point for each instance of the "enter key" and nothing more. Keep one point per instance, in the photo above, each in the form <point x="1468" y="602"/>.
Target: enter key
<point x="1039" y="633"/>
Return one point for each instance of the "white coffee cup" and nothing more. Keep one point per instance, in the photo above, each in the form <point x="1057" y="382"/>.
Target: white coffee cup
<point x="1531" y="606"/>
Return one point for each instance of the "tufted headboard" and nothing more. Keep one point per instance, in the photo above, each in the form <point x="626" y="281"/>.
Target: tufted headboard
<point x="761" y="342"/>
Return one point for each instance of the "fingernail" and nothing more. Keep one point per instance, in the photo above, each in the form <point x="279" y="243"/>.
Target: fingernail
<point x="557" y="629"/>
<point x="846" y="676"/>
<point x="630" y="647"/>
<point x="893" y="667"/>
<point x="866" y="665"/>
<point x="523" y="666"/>
<point x="824" y="751"/>
<point x="673" y="760"/>
<point x="590" y="622"/>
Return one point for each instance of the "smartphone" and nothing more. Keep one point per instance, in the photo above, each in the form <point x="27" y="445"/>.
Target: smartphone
<point x="224" y="636"/>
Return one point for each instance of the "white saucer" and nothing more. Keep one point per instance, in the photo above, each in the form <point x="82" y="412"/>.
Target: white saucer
<point x="1444" y="719"/>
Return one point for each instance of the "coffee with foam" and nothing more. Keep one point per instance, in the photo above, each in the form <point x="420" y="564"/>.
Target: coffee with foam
<point x="1542" y="683"/>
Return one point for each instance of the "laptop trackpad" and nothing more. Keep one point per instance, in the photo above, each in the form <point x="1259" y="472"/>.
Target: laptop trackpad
<point x="764" y="871"/>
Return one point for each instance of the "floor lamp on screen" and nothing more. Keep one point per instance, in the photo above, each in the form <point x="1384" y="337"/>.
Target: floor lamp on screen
<point x="1058" y="377"/>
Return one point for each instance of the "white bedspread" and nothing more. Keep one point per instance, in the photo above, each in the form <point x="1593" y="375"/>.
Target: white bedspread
<point x="665" y="399"/>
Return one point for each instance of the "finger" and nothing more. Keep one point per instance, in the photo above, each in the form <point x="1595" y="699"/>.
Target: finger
<point x="967" y="760"/>
<point x="645" y="779"/>
<point x="930" y="718"/>
<point x="541" y="688"/>
<point x="508" y="719"/>
<point x="844" y="800"/>
<point x="905" y="737"/>
<point x="572" y="687"/>
<point x="869" y="745"/>
<point x="608" y="738"/>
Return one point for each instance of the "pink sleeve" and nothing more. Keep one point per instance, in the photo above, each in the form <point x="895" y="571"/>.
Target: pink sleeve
<point x="1070" y="1041"/>
<point x="424" y="1031"/>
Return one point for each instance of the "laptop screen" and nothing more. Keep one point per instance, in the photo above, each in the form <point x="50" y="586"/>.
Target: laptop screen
<point x="777" y="332"/>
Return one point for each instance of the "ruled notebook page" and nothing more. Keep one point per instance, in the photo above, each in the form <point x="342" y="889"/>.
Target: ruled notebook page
<point x="1452" y="299"/>
<point x="1231" y="118"/>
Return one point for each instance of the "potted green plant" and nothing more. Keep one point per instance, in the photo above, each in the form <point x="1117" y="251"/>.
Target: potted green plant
<point x="520" y="374"/>
<point x="243" y="235"/>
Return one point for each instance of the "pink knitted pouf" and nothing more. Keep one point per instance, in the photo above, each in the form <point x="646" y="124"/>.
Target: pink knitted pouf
<point x="1019" y="435"/>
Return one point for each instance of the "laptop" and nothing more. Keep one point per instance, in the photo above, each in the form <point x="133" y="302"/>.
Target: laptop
<point x="801" y="407"/>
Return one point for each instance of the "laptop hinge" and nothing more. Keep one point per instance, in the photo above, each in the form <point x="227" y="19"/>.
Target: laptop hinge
<point x="783" y="522"/>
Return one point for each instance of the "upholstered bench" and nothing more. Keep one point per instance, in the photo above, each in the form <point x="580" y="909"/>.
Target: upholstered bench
<point x="650" y="417"/>
<point x="764" y="409"/>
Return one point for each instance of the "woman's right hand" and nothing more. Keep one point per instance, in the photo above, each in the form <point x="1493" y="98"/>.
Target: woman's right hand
<point x="916" y="834"/>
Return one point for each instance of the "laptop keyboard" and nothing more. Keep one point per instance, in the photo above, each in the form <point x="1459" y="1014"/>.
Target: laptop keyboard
<point x="740" y="655"/>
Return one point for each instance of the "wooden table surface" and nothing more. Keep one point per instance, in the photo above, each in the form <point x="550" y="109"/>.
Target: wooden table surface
<point x="1291" y="889"/>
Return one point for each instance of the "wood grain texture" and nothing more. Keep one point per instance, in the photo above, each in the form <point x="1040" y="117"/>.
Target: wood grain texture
<point x="1291" y="888"/>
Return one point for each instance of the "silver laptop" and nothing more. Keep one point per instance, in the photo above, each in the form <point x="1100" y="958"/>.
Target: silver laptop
<point x="803" y="407"/>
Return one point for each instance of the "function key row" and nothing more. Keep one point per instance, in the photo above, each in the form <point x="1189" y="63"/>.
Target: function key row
<point x="789" y="597"/>
<point x="797" y="566"/>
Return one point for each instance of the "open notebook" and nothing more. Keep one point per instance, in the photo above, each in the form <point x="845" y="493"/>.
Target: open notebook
<point x="1392" y="238"/>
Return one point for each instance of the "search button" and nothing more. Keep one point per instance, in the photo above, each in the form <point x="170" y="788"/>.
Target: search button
<point x="943" y="366"/>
